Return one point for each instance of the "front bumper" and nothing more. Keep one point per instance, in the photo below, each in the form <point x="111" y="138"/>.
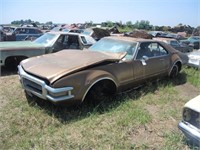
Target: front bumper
<point x="190" y="131"/>
<point x="40" y="89"/>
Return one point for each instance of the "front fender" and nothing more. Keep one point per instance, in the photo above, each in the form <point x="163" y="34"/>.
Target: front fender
<point x="82" y="81"/>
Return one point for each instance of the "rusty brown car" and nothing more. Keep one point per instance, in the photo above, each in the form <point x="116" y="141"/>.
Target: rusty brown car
<point x="111" y="65"/>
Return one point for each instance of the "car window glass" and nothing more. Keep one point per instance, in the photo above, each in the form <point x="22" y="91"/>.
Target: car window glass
<point x="58" y="44"/>
<point x="73" y="42"/>
<point x="31" y="31"/>
<point x="150" y="50"/>
<point x="144" y="50"/>
<point x="157" y="50"/>
<point x="83" y="39"/>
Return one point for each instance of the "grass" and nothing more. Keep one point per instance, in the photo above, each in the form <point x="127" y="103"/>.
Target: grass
<point x="145" y="118"/>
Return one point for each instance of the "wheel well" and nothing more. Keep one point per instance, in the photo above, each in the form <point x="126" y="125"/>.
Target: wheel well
<point x="14" y="60"/>
<point x="108" y="85"/>
<point x="179" y="65"/>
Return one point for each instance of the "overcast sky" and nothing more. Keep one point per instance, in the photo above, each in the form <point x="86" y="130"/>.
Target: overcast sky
<point x="158" y="12"/>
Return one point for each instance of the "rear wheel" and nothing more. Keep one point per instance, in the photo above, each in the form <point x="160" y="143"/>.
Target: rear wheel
<point x="174" y="72"/>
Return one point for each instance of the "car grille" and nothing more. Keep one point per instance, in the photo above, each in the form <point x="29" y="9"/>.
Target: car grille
<point x="32" y="86"/>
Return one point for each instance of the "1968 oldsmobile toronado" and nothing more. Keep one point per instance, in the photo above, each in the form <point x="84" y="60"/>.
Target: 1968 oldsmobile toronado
<point x="111" y="65"/>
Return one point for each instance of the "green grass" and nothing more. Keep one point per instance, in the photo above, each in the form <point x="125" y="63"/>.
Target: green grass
<point x="193" y="76"/>
<point x="145" y="118"/>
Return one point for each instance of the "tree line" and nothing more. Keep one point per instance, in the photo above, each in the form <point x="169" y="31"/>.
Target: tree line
<point x="129" y="25"/>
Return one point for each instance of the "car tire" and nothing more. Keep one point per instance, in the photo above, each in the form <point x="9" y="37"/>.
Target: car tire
<point x="174" y="72"/>
<point x="99" y="93"/>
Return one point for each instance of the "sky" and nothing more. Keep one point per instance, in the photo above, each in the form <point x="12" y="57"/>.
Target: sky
<point x="158" y="12"/>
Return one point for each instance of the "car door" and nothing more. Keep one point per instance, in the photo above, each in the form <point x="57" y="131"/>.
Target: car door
<point x="21" y="34"/>
<point x="151" y="60"/>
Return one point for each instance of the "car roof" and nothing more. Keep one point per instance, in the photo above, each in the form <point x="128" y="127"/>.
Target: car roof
<point x="66" y="33"/>
<point x="164" y="39"/>
<point x="140" y="40"/>
<point x="129" y="39"/>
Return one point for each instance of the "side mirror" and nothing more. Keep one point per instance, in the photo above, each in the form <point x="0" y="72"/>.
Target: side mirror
<point x="144" y="59"/>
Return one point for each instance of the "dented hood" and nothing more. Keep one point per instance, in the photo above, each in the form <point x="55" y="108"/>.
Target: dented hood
<point x="54" y="66"/>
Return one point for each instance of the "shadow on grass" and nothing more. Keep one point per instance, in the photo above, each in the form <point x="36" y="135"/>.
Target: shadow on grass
<point x="68" y="114"/>
<point x="5" y="71"/>
<point x="191" y="144"/>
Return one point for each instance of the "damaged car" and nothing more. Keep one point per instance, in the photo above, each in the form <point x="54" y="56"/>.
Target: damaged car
<point x="111" y="65"/>
<point x="190" y="124"/>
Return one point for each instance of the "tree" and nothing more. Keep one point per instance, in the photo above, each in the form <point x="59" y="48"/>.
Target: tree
<point x="109" y="24"/>
<point x="49" y="23"/>
<point x="129" y="24"/>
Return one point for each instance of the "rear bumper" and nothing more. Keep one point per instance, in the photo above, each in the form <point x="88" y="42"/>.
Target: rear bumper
<point x="40" y="89"/>
<point x="190" y="131"/>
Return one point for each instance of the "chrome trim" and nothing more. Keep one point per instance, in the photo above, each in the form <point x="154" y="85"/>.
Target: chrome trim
<point x="44" y="87"/>
<point x="105" y="78"/>
<point x="189" y="130"/>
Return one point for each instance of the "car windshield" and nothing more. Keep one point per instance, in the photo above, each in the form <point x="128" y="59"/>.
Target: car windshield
<point x="115" y="46"/>
<point x="47" y="39"/>
<point x="87" y="40"/>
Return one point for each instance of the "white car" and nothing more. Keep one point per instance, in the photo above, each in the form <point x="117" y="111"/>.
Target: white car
<point x="194" y="59"/>
<point x="190" y="124"/>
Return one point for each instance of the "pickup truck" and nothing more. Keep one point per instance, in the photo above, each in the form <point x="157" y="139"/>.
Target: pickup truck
<point x="12" y="53"/>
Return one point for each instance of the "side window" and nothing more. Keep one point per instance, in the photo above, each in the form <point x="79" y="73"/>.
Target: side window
<point x="150" y="50"/>
<point x="144" y="50"/>
<point x="158" y="50"/>
<point x="58" y="44"/>
<point x="83" y="39"/>
<point x="73" y="42"/>
<point x="31" y="31"/>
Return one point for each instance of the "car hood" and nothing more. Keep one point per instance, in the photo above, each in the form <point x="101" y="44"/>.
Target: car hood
<point x="194" y="104"/>
<point x="53" y="66"/>
<point x="19" y="45"/>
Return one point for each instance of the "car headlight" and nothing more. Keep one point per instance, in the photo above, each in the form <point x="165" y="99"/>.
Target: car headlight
<point x="192" y="117"/>
<point x="186" y="114"/>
